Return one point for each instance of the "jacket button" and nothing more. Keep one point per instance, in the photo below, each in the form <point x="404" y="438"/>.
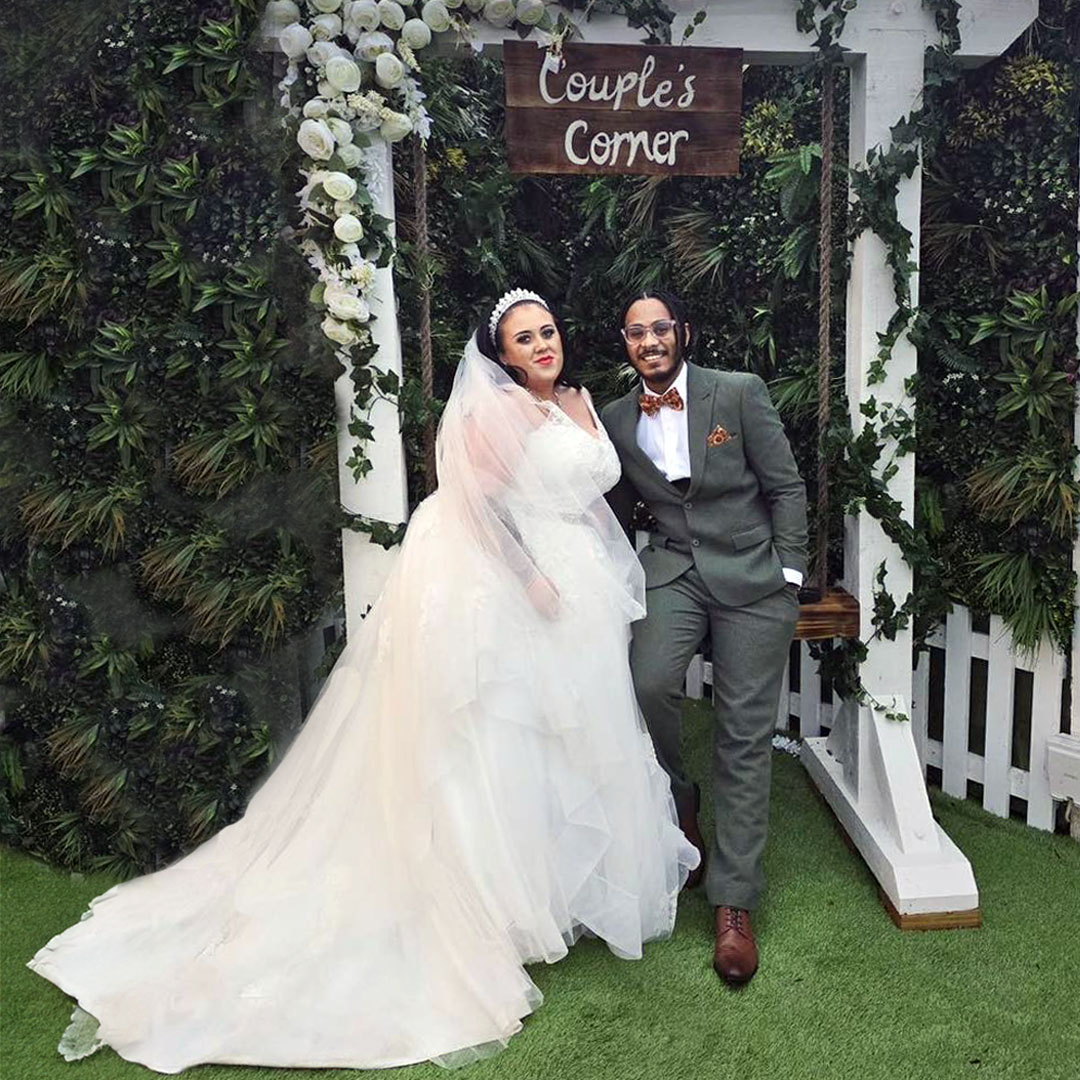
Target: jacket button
<point x="696" y="542"/>
<point x="688" y="506"/>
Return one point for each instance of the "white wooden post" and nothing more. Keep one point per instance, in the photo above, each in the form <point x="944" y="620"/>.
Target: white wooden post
<point x="382" y="494"/>
<point x="1000" y="701"/>
<point x="954" y="750"/>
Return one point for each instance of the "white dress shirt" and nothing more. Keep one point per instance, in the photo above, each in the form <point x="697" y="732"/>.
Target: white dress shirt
<point x="665" y="438"/>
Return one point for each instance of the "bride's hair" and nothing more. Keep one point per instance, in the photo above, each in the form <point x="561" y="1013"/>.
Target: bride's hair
<point x="489" y="344"/>
<point x="675" y="309"/>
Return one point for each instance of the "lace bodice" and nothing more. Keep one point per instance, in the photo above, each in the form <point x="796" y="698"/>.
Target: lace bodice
<point x="575" y="460"/>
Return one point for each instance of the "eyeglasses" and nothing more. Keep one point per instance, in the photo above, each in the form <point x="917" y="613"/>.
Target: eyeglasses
<point x="636" y="332"/>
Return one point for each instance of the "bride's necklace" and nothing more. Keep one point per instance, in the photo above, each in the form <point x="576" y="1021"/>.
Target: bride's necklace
<point x="553" y="400"/>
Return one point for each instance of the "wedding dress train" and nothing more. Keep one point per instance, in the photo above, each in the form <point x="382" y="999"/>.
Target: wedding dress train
<point x="471" y="791"/>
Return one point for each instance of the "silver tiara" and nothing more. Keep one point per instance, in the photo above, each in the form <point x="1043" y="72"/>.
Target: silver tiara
<point x="507" y="301"/>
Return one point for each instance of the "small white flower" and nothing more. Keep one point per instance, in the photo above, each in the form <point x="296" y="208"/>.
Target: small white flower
<point x="294" y="40"/>
<point x="389" y="70"/>
<point x="326" y="5"/>
<point x="345" y="206"/>
<point x="326" y="27"/>
<point x="368" y="46"/>
<point x="416" y="34"/>
<point x="395" y="127"/>
<point x="343" y="304"/>
<point x="316" y="139"/>
<point x="350" y="154"/>
<point x="436" y="15"/>
<point x="341" y="130"/>
<point x="391" y="14"/>
<point x="343" y="74"/>
<point x="348" y="229"/>
<point x="529" y="12"/>
<point x="339" y="332"/>
<point x="338" y="185"/>
<point x="364" y="14"/>
<point x="278" y="14"/>
<point x="316" y="109"/>
<point x="499" y="12"/>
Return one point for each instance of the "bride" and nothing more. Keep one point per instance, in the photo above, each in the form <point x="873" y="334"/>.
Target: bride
<point x="472" y="790"/>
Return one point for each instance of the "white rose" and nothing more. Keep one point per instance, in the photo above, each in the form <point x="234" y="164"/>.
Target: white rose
<point x="368" y="46"/>
<point x="416" y="34"/>
<point x="363" y="13"/>
<point x="436" y="15"/>
<point x="326" y="5"/>
<point x="350" y="155"/>
<point x="316" y="109"/>
<point x="529" y="12"/>
<point x="338" y="185"/>
<point x="475" y="5"/>
<point x="341" y="130"/>
<point x="315" y="139"/>
<point x="278" y="14"/>
<point x="343" y="74"/>
<point x="320" y="54"/>
<point x="395" y="127"/>
<point x="499" y="12"/>
<point x="340" y="332"/>
<point x="389" y="70"/>
<point x="391" y="14"/>
<point x="294" y="40"/>
<point x="348" y="229"/>
<point x="325" y="27"/>
<point x="343" y="304"/>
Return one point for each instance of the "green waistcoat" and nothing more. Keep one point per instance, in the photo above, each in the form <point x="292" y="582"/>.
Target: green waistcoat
<point x="743" y="517"/>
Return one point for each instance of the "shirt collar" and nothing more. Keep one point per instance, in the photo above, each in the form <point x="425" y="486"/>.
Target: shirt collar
<point x="679" y="384"/>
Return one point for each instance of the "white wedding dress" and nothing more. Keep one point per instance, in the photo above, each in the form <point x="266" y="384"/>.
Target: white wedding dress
<point x="472" y="790"/>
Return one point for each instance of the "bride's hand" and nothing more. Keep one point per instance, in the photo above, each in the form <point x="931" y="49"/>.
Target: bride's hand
<point x="544" y="597"/>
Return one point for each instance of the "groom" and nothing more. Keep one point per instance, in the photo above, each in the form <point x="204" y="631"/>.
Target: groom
<point x="706" y="452"/>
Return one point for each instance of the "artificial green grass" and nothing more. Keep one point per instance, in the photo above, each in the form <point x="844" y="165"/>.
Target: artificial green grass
<point x="841" y="992"/>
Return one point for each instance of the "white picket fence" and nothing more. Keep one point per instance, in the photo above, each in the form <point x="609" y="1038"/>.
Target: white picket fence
<point x="1013" y="692"/>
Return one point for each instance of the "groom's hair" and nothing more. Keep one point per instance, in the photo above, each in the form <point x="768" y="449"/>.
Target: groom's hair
<point x="675" y="310"/>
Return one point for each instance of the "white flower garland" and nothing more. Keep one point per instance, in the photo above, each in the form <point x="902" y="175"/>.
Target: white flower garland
<point x="359" y="54"/>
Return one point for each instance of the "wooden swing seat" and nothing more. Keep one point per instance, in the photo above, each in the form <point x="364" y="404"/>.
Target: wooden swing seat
<point x="835" y="615"/>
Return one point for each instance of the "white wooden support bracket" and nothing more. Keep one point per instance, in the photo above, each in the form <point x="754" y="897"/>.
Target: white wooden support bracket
<point x="879" y="797"/>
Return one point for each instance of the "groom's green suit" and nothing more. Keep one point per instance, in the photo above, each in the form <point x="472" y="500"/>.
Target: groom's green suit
<point x="715" y="564"/>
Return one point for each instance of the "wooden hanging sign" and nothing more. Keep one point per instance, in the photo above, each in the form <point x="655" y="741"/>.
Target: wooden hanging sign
<point x="623" y="109"/>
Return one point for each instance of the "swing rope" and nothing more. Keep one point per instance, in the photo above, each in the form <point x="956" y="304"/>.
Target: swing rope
<point x="824" y="311"/>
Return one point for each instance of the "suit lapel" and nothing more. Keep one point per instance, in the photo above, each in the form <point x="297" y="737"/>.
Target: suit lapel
<point x="700" y="390"/>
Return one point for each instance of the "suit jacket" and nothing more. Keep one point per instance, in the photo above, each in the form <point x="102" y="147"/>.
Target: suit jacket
<point x="743" y="517"/>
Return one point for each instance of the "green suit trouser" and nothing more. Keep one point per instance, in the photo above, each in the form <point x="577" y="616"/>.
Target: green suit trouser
<point x="750" y="647"/>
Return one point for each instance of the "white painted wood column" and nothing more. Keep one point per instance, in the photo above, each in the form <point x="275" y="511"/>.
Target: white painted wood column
<point x="868" y="768"/>
<point x="382" y="494"/>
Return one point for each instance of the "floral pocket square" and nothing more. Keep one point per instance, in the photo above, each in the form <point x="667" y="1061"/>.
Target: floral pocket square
<point x="719" y="435"/>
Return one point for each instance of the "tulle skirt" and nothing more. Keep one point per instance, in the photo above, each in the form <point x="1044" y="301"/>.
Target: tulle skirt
<point x="472" y="790"/>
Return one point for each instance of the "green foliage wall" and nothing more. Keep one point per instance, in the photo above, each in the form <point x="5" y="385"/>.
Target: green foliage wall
<point x="168" y="493"/>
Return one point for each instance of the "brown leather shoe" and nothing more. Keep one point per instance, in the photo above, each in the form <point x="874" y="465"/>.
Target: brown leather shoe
<point x="736" y="956"/>
<point x="689" y="824"/>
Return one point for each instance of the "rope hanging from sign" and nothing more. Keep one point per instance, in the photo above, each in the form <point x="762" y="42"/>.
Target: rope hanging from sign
<point x="424" y="280"/>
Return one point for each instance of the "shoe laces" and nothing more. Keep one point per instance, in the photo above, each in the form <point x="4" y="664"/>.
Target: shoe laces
<point x="733" y="918"/>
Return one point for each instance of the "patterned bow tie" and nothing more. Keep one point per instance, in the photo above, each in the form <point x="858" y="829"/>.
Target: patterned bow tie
<point x="651" y="404"/>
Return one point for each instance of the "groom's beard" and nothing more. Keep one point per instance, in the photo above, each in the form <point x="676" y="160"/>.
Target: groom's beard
<point x="658" y="365"/>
